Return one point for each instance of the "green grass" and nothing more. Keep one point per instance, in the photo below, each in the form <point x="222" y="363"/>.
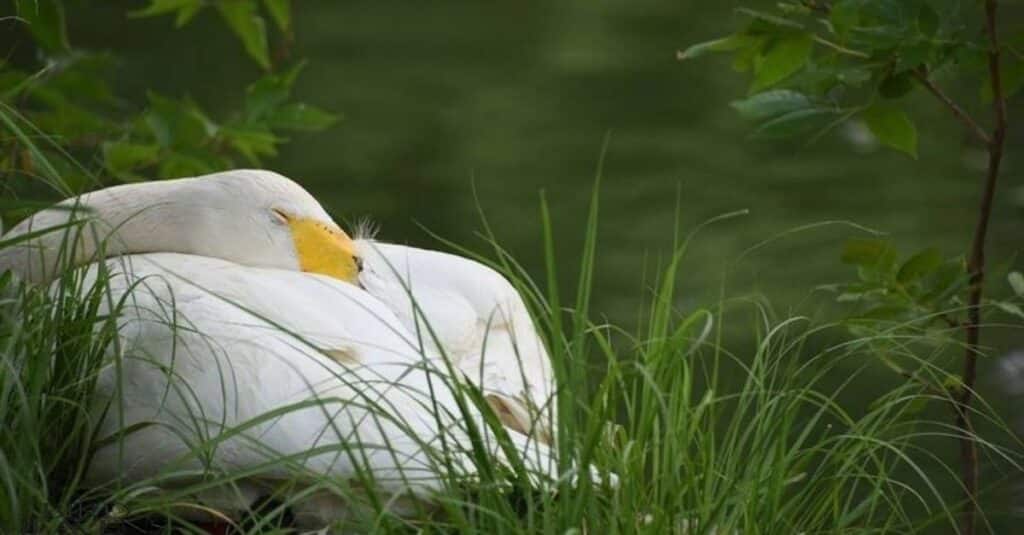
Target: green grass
<point x="702" y="436"/>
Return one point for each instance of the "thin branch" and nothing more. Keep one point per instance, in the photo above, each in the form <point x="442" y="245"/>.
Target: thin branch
<point x="820" y="6"/>
<point x="959" y="112"/>
<point x="976" y="268"/>
<point x="840" y="48"/>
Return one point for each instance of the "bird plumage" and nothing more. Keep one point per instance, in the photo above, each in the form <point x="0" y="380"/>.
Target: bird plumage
<point x="474" y="316"/>
<point x="209" y="348"/>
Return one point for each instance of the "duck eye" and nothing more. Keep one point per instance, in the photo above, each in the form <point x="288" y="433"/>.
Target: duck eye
<point x="359" y="263"/>
<point x="280" y="216"/>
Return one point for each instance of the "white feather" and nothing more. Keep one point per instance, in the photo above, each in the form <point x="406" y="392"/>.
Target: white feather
<point x="480" y="323"/>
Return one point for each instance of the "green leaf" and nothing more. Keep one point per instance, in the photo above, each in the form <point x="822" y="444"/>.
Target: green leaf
<point x="725" y="44"/>
<point x="281" y="12"/>
<point x="1012" y="77"/>
<point x="269" y="92"/>
<point x="177" y="123"/>
<point x="844" y="16"/>
<point x="163" y="7"/>
<point x="787" y="56"/>
<point x="771" y="104"/>
<point x="298" y="116"/>
<point x="177" y="165"/>
<point x="743" y="59"/>
<point x="120" y="156"/>
<point x="770" y="20"/>
<point x="896" y="85"/>
<point x="919" y="265"/>
<point x="1010" y="308"/>
<point x="186" y="15"/>
<point x="1016" y="282"/>
<point x="892" y="127"/>
<point x="251" y="142"/>
<point x="242" y="18"/>
<point x="948" y="280"/>
<point x="45" y="20"/>
<point x="915" y="55"/>
<point x="793" y="123"/>
<point x="854" y="76"/>
<point x="927" y="20"/>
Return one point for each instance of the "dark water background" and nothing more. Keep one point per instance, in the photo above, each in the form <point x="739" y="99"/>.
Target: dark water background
<point x="517" y="97"/>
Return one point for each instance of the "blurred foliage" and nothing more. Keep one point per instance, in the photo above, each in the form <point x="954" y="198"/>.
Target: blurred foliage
<point x="66" y="92"/>
<point x="815" y="65"/>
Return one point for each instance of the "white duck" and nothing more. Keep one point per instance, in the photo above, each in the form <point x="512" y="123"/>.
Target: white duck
<point x="476" y="318"/>
<point x="219" y="328"/>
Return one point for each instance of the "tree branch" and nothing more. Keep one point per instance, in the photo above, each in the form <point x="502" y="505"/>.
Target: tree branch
<point x="921" y="76"/>
<point x="976" y="269"/>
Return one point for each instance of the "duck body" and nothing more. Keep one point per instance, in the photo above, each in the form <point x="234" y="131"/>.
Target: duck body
<point x="209" y="349"/>
<point x="472" y="315"/>
<point x="247" y="349"/>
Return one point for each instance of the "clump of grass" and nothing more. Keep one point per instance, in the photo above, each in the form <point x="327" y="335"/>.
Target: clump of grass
<point x="701" y="436"/>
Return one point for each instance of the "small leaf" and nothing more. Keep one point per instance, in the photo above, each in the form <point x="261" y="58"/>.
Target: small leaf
<point x="725" y="44"/>
<point x="915" y="55"/>
<point x="771" y="104"/>
<point x="281" y="12"/>
<point x="794" y="123"/>
<point x="269" y="92"/>
<point x="743" y="59"/>
<point x="919" y="265"/>
<point x="854" y="76"/>
<point x="46" y="23"/>
<point x="787" y="56"/>
<point x="241" y="17"/>
<point x="1010" y="308"/>
<point x="771" y="20"/>
<point x="1016" y="282"/>
<point x="186" y="15"/>
<point x="947" y="281"/>
<point x="897" y="85"/>
<point x="297" y="116"/>
<point x="177" y="123"/>
<point x="844" y="16"/>
<point x="251" y="142"/>
<point x="892" y="127"/>
<point x="176" y="165"/>
<point x="121" y="156"/>
<point x="162" y="7"/>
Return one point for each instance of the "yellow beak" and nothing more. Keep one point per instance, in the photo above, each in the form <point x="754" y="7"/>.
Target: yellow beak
<point x="324" y="249"/>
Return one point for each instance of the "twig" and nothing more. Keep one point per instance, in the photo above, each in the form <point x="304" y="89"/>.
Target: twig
<point x="976" y="268"/>
<point x="840" y="48"/>
<point x="963" y="116"/>
<point x="821" y="6"/>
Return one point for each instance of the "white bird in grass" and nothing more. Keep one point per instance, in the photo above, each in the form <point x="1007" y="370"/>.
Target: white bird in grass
<point x="472" y="315"/>
<point x="232" y="359"/>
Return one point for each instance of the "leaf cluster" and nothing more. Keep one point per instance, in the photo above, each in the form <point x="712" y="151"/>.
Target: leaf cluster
<point x="66" y="92"/>
<point x="815" y="65"/>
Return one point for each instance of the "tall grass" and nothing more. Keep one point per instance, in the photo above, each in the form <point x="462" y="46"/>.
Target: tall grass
<point x="702" y="436"/>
